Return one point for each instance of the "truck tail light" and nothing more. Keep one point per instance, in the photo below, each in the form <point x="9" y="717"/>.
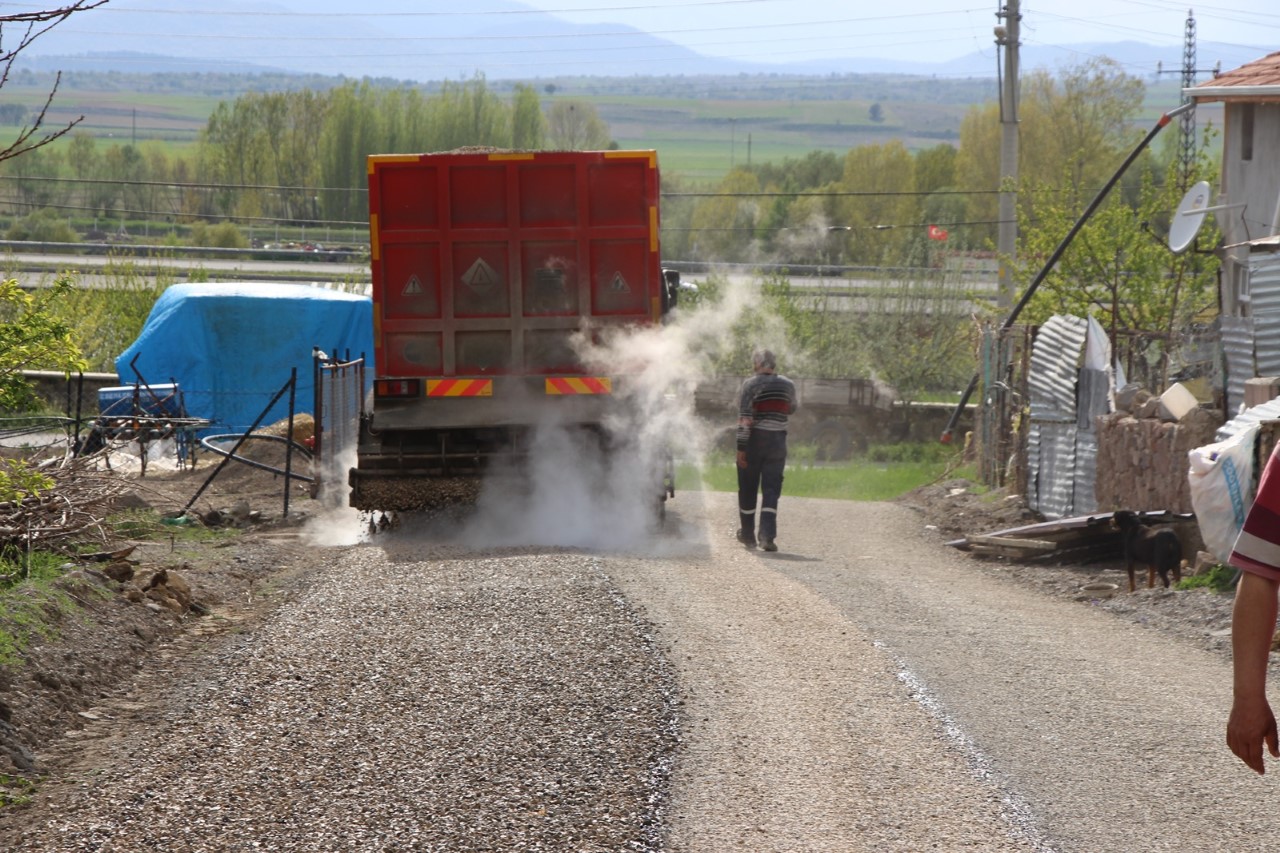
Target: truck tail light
<point x="392" y="388"/>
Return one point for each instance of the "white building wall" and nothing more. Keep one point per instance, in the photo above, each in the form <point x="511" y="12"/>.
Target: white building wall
<point x="1253" y="183"/>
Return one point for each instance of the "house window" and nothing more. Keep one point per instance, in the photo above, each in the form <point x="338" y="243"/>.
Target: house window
<point x="1246" y="131"/>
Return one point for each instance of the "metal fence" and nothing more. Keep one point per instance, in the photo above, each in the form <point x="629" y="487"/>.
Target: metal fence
<point x="339" y="390"/>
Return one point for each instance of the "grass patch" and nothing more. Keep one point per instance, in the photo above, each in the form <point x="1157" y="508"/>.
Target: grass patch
<point x="1220" y="578"/>
<point x="884" y="473"/>
<point x="148" y="524"/>
<point x="15" y="790"/>
<point x="29" y="603"/>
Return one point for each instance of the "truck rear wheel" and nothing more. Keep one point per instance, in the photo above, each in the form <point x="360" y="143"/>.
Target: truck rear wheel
<point x="832" y="441"/>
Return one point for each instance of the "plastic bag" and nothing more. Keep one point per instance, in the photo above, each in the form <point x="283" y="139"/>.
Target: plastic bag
<point x="1221" y="477"/>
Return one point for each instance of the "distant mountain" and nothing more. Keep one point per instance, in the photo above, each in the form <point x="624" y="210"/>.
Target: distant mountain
<point x="299" y="36"/>
<point x="293" y="35"/>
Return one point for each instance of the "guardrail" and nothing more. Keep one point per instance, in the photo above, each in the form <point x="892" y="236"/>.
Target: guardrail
<point x="337" y="255"/>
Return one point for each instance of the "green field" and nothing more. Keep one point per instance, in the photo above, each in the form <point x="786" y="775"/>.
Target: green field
<point x="700" y="126"/>
<point x="865" y="478"/>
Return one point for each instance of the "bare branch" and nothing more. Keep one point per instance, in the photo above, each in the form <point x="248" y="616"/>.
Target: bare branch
<point x="37" y="23"/>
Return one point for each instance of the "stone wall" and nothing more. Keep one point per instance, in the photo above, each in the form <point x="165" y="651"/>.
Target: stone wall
<point x="1142" y="462"/>
<point x="59" y="392"/>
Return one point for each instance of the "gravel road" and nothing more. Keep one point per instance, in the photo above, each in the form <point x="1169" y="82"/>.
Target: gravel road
<point x="863" y="689"/>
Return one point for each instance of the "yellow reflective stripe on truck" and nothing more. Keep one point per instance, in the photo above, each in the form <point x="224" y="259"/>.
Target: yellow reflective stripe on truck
<point x="459" y="387"/>
<point x="568" y="385"/>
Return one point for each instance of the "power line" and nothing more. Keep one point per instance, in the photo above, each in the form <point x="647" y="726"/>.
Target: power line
<point x="363" y="190"/>
<point x="895" y="226"/>
<point x="122" y="211"/>
<point x="180" y="185"/>
<point x="825" y="194"/>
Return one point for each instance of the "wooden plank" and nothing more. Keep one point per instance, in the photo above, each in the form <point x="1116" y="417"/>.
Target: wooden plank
<point x="1010" y="542"/>
<point x="995" y="551"/>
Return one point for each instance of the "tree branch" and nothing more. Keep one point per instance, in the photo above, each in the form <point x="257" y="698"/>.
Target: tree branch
<point x="37" y="24"/>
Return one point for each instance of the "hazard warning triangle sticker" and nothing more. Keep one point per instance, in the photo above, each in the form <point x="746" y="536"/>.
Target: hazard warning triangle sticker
<point x="412" y="287"/>
<point x="619" y="284"/>
<point x="480" y="276"/>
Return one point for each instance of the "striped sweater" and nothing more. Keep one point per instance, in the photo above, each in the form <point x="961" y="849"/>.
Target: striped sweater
<point x="765" y="401"/>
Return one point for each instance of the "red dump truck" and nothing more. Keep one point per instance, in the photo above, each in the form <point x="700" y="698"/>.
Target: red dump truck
<point x="488" y="268"/>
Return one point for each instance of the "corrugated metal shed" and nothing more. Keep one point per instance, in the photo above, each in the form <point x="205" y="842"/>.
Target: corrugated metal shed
<point x="1237" y="349"/>
<point x="1268" y="411"/>
<point x="1084" y="496"/>
<point x="1054" y="478"/>
<point x="1055" y="366"/>
<point x="1094" y="397"/>
<point x="1065" y="399"/>
<point x="1033" y="467"/>
<point x="1264" y="290"/>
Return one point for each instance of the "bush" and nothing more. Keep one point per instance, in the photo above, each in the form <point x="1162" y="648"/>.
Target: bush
<point x="106" y="320"/>
<point x="43" y="226"/>
<point x="224" y="235"/>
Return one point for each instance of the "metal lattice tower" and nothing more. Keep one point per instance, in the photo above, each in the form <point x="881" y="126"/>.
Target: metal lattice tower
<point x="1188" y="118"/>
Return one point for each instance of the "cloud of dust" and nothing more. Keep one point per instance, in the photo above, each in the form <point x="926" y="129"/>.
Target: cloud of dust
<point x="598" y="490"/>
<point x="335" y="523"/>
<point x="577" y="489"/>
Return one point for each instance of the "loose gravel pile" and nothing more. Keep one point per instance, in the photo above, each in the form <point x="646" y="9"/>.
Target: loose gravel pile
<point x="510" y="702"/>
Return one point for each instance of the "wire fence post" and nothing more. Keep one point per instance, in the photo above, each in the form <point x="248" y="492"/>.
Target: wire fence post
<point x="288" y="446"/>
<point x="239" y="442"/>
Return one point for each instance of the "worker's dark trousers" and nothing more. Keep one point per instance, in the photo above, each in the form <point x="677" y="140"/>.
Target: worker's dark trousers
<point x="766" y="457"/>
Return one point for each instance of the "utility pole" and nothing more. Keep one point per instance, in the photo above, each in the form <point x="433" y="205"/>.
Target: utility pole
<point x="1007" y="34"/>
<point x="1189" y="117"/>
<point x="1187" y="141"/>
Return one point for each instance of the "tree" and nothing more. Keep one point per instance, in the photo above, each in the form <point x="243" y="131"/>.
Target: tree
<point x="32" y="338"/>
<point x="724" y="225"/>
<point x="884" y="177"/>
<point x="1074" y="129"/>
<point x="528" y="125"/>
<point x="1118" y="268"/>
<point x="30" y="26"/>
<point x="1078" y="123"/>
<point x="576" y="126"/>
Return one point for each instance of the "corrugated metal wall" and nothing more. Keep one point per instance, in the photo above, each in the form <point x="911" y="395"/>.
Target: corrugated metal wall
<point x="1055" y="367"/>
<point x="1237" y="350"/>
<point x="1053" y="448"/>
<point x="1264" y="300"/>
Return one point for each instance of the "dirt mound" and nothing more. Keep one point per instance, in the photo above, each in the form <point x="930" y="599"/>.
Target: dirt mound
<point x="956" y="507"/>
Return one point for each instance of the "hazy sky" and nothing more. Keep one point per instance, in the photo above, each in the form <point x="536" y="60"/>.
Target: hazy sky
<point x="430" y="39"/>
<point x="928" y="30"/>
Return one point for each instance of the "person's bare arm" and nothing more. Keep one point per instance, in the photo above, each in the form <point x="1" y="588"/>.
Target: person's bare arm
<point x="1252" y="722"/>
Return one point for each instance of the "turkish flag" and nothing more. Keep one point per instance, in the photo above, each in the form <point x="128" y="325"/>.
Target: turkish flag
<point x="937" y="233"/>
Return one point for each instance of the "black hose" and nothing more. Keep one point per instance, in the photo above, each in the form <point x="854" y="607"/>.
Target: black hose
<point x="206" y="443"/>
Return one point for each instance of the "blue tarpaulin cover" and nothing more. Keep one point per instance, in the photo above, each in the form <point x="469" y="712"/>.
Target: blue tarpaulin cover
<point x="231" y="345"/>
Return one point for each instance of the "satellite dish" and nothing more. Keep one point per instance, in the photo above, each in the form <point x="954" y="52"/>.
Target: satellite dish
<point x="1189" y="217"/>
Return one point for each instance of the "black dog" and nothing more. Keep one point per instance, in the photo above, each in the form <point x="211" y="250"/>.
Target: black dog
<point x="1159" y="550"/>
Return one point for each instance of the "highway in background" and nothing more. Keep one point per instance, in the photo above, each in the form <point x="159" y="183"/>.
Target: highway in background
<point x="829" y="287"/>
<point x="35" y="268"/>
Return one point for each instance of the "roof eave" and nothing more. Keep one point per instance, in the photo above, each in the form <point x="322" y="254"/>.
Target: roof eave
<point x="1222" y="93"/>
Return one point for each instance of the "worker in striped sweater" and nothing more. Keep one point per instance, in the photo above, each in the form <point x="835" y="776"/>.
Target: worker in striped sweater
<point x="765" y="402"/>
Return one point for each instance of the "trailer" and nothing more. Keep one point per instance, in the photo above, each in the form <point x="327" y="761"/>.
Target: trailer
<point x="837" y="416"/>
<point x="490" y="269"/>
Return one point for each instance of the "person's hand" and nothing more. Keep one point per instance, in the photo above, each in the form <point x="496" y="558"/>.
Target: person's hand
<point x="1251" y="724"/>
<point x="742" y="459"/>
